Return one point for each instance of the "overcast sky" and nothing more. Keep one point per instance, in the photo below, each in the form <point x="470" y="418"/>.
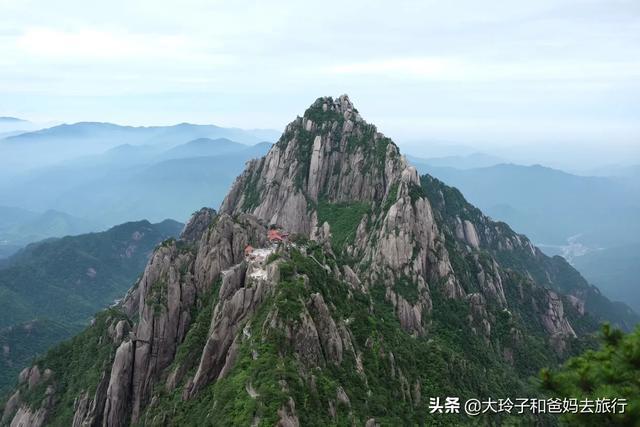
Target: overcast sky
<point x="465" y="71"/>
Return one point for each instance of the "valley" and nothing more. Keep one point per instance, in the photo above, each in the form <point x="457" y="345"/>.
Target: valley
<point x="393" y="289"/>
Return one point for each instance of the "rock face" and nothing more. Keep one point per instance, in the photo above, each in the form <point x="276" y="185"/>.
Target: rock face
<point x="320" y="156"/>
<point x="332" y="156"/>
<point x="327" y="331"/>
<point x="118" y="391"/>
<point x="169" y="288"/>
<point x="223" y="314"/>
<point x="240" y="294"/>
<point x="24" y="417"/>
<point x="553" y="316"/>
<point x="88" y="410"/>
<point x="166" y="298"/>
<point x="11" y="407"/>
<point x="198" y="224"/>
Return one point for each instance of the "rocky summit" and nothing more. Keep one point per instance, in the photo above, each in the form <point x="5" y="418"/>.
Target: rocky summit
<point x="335" y="286"/>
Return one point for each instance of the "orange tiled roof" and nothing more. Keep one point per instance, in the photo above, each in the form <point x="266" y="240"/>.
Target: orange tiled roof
<point x="274" y="235"/>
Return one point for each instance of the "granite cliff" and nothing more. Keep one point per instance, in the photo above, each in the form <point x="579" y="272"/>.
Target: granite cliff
<point x="379" y="290"/>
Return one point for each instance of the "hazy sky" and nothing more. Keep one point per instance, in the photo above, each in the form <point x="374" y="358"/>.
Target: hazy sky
<point x="465" y="71"/>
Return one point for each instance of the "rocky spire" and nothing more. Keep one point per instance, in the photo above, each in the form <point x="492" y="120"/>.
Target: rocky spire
<point x="329" y="154"/>
<point x="333" y="178"/>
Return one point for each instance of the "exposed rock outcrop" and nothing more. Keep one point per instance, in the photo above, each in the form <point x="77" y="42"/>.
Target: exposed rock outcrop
<point x="386" y="245"/>
<point x="198" y="224"/>
<point x="166" y="299"/>
<point x="240" y="295"/>
<point x="553" y="317"/>
<point x="327" y="330"/>
<point x="25" y="417"/>
<point x="349" y="161"/>
<point x="11" y="407"/>
<point x="119" y="389"/>
<point x="314" y="160"/>
<point x="88" y="410"/>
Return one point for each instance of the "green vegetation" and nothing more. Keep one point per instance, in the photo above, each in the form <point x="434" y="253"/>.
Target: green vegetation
<point x="167" y="243"/>
<point x="61" y="283"/>
<point x="391" y="197"/>
<point x="612" y="372"/>
<point x="374" y="150"/>
<point x="476" y="347"/>
<point x="416" y="192"/>
<point x="554" y="272"/>
<point x="343" y="219"/>
<point x="448" y="200"/>
<point x="24" y="341"/>
<point x="252" y="190"/>
<point x="305" y="150"/>
<point x="158" y="296"/>
<point x="363" y="140"/>
<point x="77" y="366"/>
<point x="188" y="352"/>
<point x="184" y="246"/>
<point x="407" y="289"/>
<point x="446" y="362"/>
<point x="316" y="113"/>
<point x="289" y="301"/>
<point x="272" y="257"/>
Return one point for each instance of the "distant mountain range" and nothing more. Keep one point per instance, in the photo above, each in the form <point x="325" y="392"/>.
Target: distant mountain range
<point x="203" y="147"/>
<point x="619" y="171"/>
<point x="131" y="182"/>
<point x="109" y="133"/>
<point x="527" y="196"/>
<point x="142" y="171"/>
<point x="50" y="289"/>
<point x="19" y="227"/>
<point x="390" y="289"/>
<point x="12" y="126"/>
<point x="468" y="161"/>
<point x="615" y="270"/>
<point x="591" y="221"/>
<point x="49" y="146"/>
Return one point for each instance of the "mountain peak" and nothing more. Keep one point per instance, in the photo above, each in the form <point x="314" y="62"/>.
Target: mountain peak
<point x="335" y="179"/>
<point x="376" y="285"/>
<point x="330" y="154"/>
<point x="328" y="109"/>
<point x="341" y="105"/>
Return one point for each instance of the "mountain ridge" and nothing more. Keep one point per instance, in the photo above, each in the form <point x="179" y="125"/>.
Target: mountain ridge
<point x="21" y="226"/>
<point x="380" y="270"/>
<point x="30" y="151"/>
<point x="128" y="181"/>
<point x="145" y="133"/>
<point x="50" y="289"/>
<point x="579" y="204"/>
